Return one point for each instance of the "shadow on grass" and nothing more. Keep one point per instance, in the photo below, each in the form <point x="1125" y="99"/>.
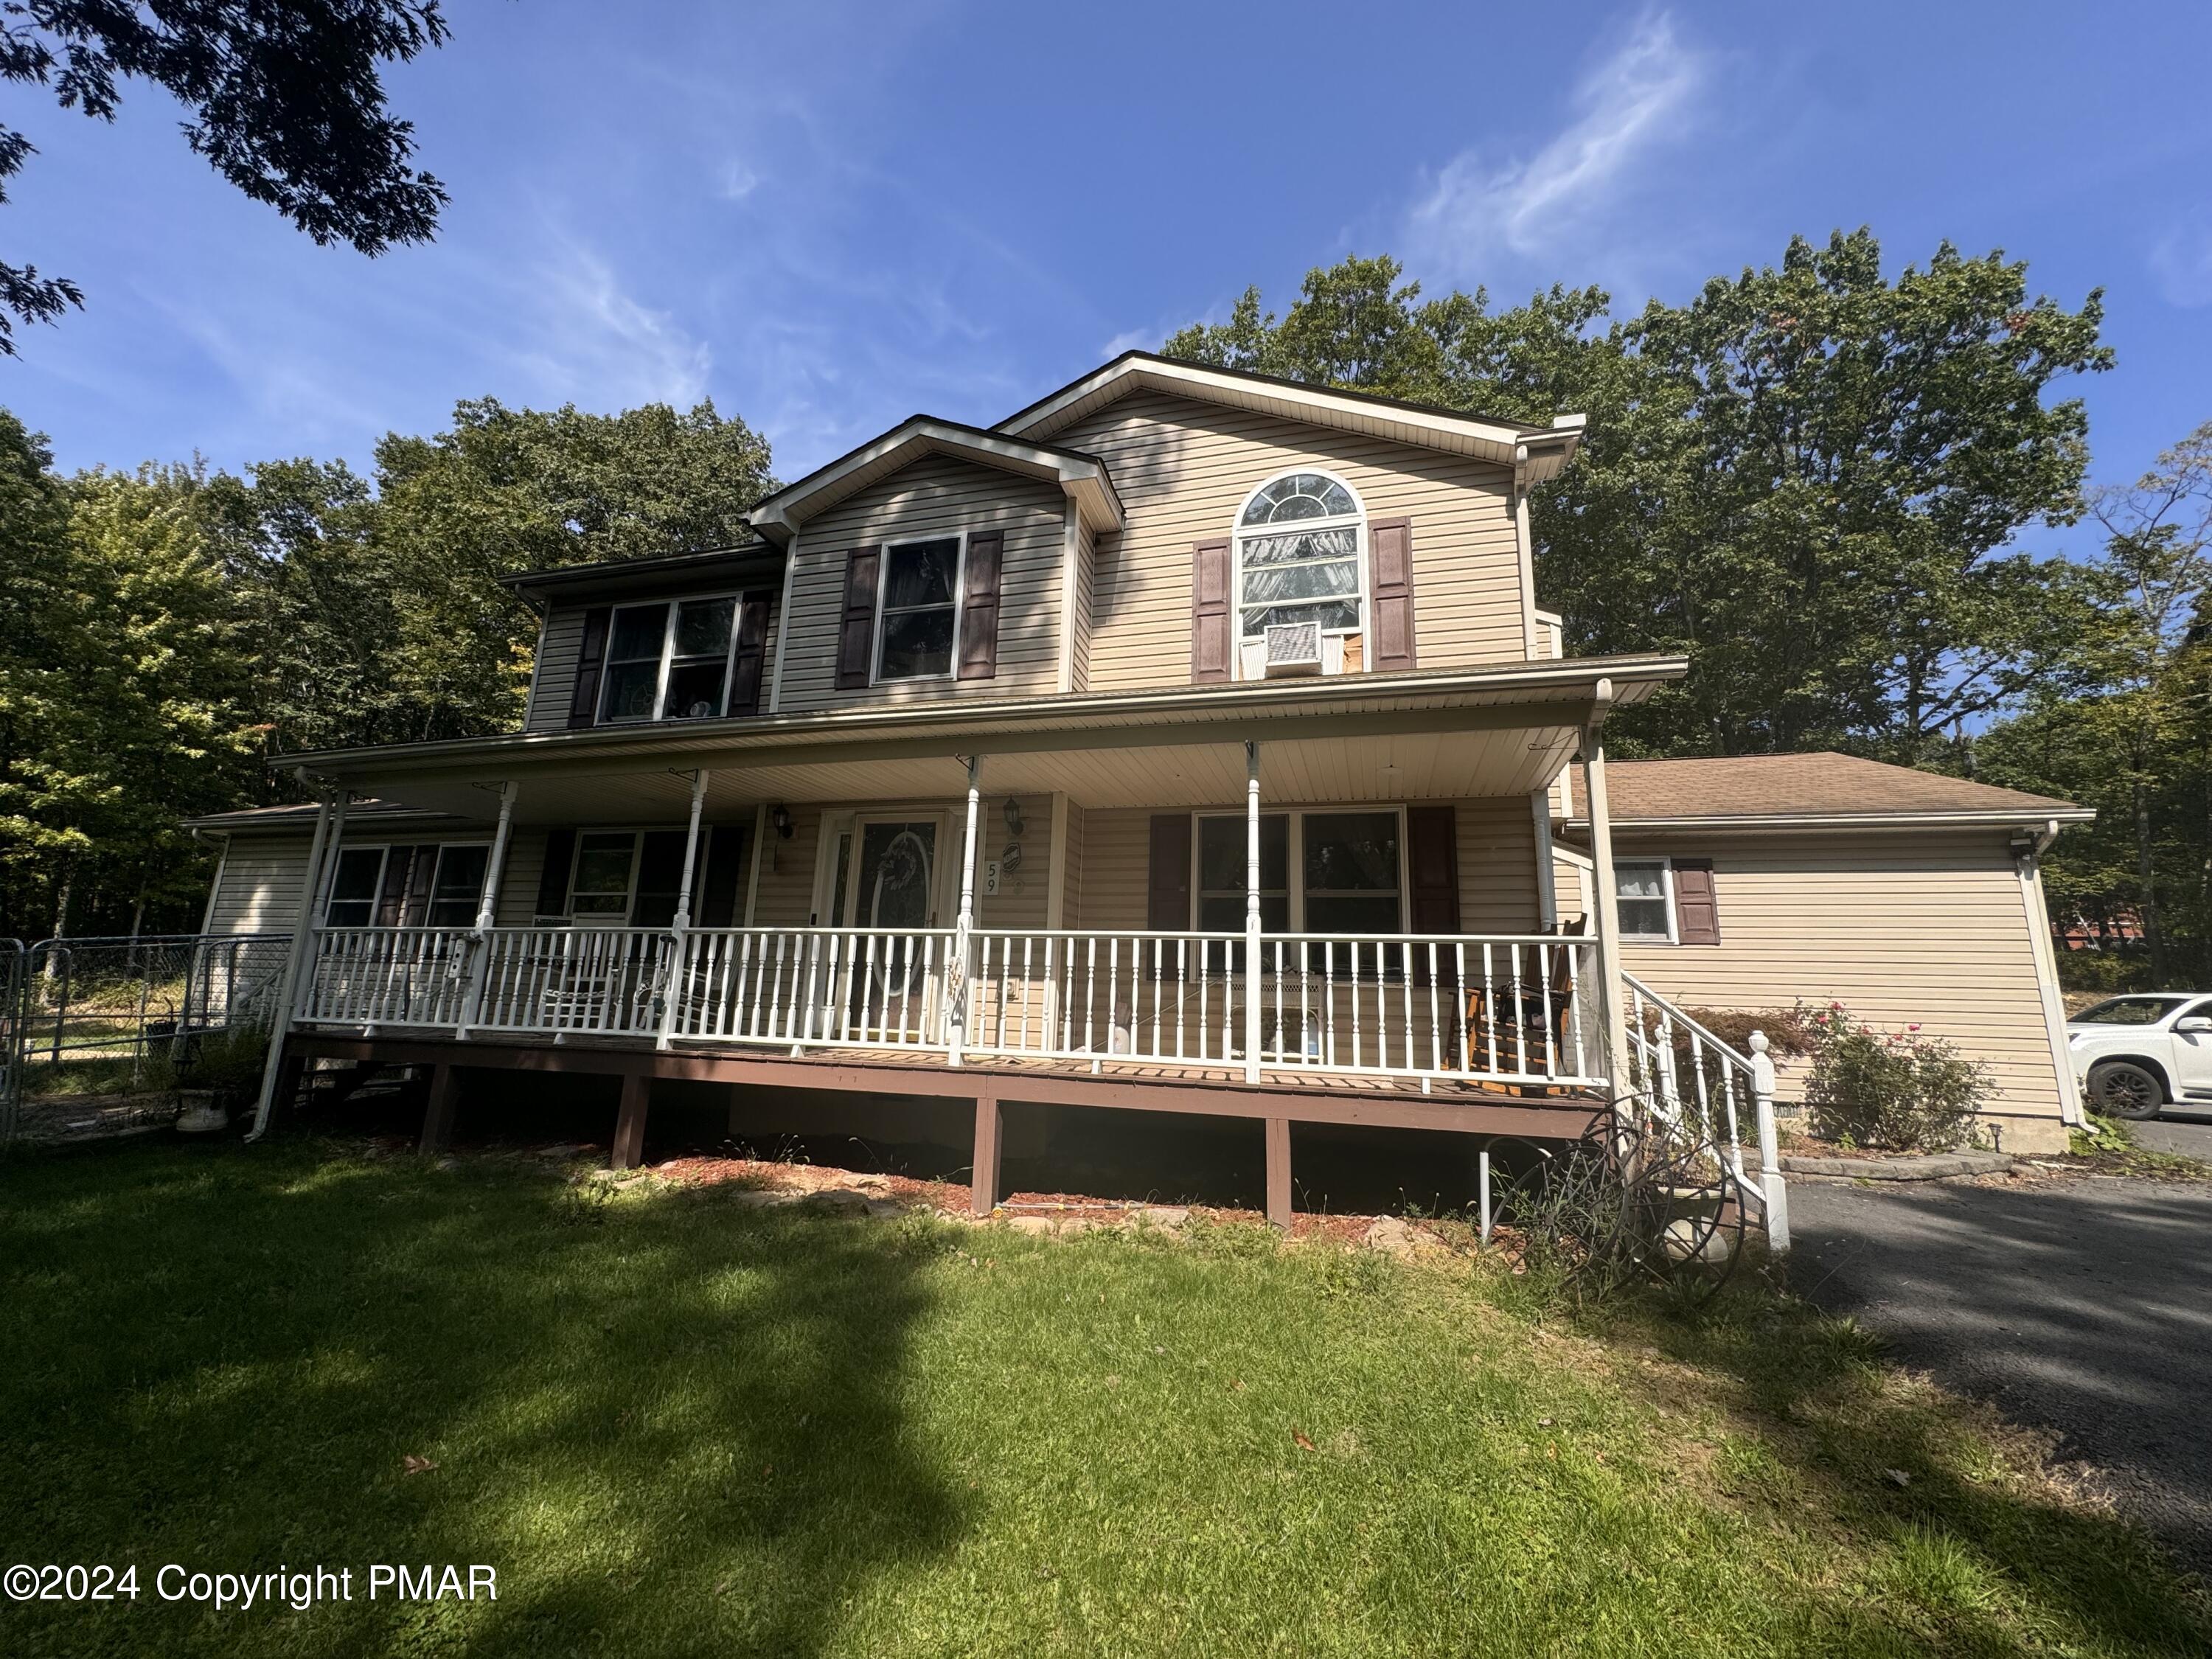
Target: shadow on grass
<point x="670" y="1426"/>
<point x="1818" y="1423"/>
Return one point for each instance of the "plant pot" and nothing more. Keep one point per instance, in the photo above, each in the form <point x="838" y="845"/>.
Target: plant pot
<point x="203" y="1112"/>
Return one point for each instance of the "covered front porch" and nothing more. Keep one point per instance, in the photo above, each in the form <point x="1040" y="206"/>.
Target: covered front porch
<point x="1273" y="904"/>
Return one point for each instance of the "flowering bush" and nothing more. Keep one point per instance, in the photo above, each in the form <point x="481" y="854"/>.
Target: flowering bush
<point x="1901" y="1090"/>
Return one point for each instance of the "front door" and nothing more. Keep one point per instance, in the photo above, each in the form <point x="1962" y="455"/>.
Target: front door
<point x="892" y="886"/>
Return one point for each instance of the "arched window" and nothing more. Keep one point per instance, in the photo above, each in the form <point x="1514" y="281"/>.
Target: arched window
<point x="1299" y="547"/>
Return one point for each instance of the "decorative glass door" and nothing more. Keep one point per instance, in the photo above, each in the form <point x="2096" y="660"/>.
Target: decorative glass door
<point x="893" y="888"/>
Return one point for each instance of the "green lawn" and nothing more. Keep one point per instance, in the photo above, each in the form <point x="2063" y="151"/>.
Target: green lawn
<point x="678" y="1426"/>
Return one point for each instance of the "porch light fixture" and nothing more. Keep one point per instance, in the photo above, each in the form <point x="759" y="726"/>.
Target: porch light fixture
<point x="1014" y="821"/>
<point x="779" y="815"/>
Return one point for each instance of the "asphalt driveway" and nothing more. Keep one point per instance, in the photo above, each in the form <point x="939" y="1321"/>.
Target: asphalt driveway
<point x="2083" y="1306"/>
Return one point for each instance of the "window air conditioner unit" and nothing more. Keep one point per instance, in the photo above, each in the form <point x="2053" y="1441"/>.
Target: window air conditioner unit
<point x="1293" y="648"/>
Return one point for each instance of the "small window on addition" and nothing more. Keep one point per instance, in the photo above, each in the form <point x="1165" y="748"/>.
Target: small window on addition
<point x="1641" y="885"/>
<point x="354" y="888"/>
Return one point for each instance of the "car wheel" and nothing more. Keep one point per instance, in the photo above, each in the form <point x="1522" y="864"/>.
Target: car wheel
<point x="2120" y="1088"/>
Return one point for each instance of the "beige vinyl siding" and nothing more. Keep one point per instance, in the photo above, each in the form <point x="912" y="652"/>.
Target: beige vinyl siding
<point x="786" y="878"/>
<point x="1183" y="469"/>
<point x="1086" y="595"/>
<point x="1901" y="929"/>
<point x="553" y="684"/>
<point x="259" y="889"/>
<point x="517" y="905"/>
<point x="936" y="496"/>
<point x="1071" y="899"/>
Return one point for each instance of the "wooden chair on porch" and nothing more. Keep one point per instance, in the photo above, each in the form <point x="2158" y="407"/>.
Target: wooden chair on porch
<point x="1522" y="1026"/>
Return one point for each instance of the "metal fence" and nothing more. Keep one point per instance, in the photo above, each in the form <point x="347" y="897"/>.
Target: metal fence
<point x="126" y="999"/>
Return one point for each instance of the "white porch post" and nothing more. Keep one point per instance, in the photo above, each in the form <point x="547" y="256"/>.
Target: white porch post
<point x="487" y="911"/>
<point x="956" y="985"/>
<point x="671" y="997"/>
<point x="1252" y="999"/>
<point x="1606" y="907"/>
<point x="1776" y="1210"/>
<point x="329" y="817"/>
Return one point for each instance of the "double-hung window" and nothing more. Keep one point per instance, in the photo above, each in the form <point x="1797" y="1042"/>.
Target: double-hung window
<point x="626" y="878"/>
<point x="1298" y="556"/>
<point x="1348" y="867"/>
<point x="921" y="613"/>
<point x="670" y="659"/>
<point x="1643" y="891"/>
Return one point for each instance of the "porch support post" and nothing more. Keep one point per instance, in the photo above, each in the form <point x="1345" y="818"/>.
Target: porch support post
<point x="630" y="1120"/>
<point x="438" y="1116"/>
<point x="1252" y="967"/>
<point x="1279" y="1172"/>
<point x="1775" y="1212"/>
<point x="330" y="813"/>
<point x="964" y="927"/>
<point x="672" y="986"/>
<point x="487" y="910"/>
<point x="1606" y="896"/>
<point x="990" y="1138"/>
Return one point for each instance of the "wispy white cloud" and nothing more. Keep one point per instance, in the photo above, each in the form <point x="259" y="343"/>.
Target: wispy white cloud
<point x="739" y="182"/>
<point x="1633" y="103"/>
<point x="594" y="342"/>
<point x="2182" y="262"/>
<point x="1130" y="339"/>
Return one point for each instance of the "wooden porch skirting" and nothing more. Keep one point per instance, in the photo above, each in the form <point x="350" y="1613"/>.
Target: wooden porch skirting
<point x="1146" y="1086"/>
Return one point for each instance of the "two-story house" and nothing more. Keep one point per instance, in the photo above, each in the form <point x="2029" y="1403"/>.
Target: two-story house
<point x="1188" y="741"/>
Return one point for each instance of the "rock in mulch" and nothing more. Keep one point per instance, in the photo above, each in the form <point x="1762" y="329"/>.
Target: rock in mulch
<point x="1395" y="1235"/>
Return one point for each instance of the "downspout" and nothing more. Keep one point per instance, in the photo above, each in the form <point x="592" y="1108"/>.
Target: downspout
<point x="332" y="811"/>
<point x="1524" y="545"/>
<point x="1606" y="894"/>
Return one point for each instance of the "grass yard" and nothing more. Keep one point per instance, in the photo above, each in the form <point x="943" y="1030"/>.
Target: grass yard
<point x="678" y="1425"/>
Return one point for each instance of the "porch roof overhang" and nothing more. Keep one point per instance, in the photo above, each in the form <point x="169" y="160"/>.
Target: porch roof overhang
<point x="1428" y="734"/>
<point x="1083" y="478"/>
<point x="1750" y="823"/>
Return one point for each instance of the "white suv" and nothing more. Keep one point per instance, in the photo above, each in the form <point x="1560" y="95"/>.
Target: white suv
<point x="2137" y="1054"/>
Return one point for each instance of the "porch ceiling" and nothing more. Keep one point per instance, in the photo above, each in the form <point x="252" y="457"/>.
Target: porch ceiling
<point x="1456" y="733"/>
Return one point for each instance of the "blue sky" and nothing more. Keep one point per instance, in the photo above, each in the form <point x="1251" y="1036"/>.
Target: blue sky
<point x="828" y="217"/>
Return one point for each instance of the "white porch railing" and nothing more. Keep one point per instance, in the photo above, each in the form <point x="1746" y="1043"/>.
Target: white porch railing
<point x="1692" y="1073"/>
<point x="1514" y="1009"/>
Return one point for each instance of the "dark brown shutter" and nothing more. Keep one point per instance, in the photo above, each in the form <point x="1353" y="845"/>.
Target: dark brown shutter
<point x="752" y="653"/>
<point x="418" y="886"/>
<point x="1433" y="884"/>
<point x="979" y="604"/>
<point x="1167" y="896"/>
<point x="1432" y="856"/>
<point x="591" y="659"/>
<point x="1696" y="909"/>
<point x="856" y="627"/>
<point x="392" y="898"/>
<point x="660" y="878"/>
<point x="553" y="879"/>
<point x="1390" y="561"/>
<point x="725" y="871"/>
<point x="1210" y="635"/>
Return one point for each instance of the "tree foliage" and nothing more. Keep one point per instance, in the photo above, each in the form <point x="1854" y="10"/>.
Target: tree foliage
<point x="1806" y="479"/>
<point x="287" y="99"/>
<point x="163" y="635"/>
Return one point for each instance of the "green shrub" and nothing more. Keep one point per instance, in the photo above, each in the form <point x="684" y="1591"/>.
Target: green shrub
<point x="1898" y="1091"/>
<point x="229" y="1062"/>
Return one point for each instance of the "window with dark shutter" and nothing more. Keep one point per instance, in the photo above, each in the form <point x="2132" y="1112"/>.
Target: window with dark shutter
<point x="751" y="654"/>
<point x="1697" y="908"/>
<point x="1210" y="629"/>
<point x="1390" y="557"/>
<point x="553" y="879"/>
<point x="591" y="663"/>
<point x="978" y="606"/>
<point x="856" y="626"/>
<point x="1167" y="896"/>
